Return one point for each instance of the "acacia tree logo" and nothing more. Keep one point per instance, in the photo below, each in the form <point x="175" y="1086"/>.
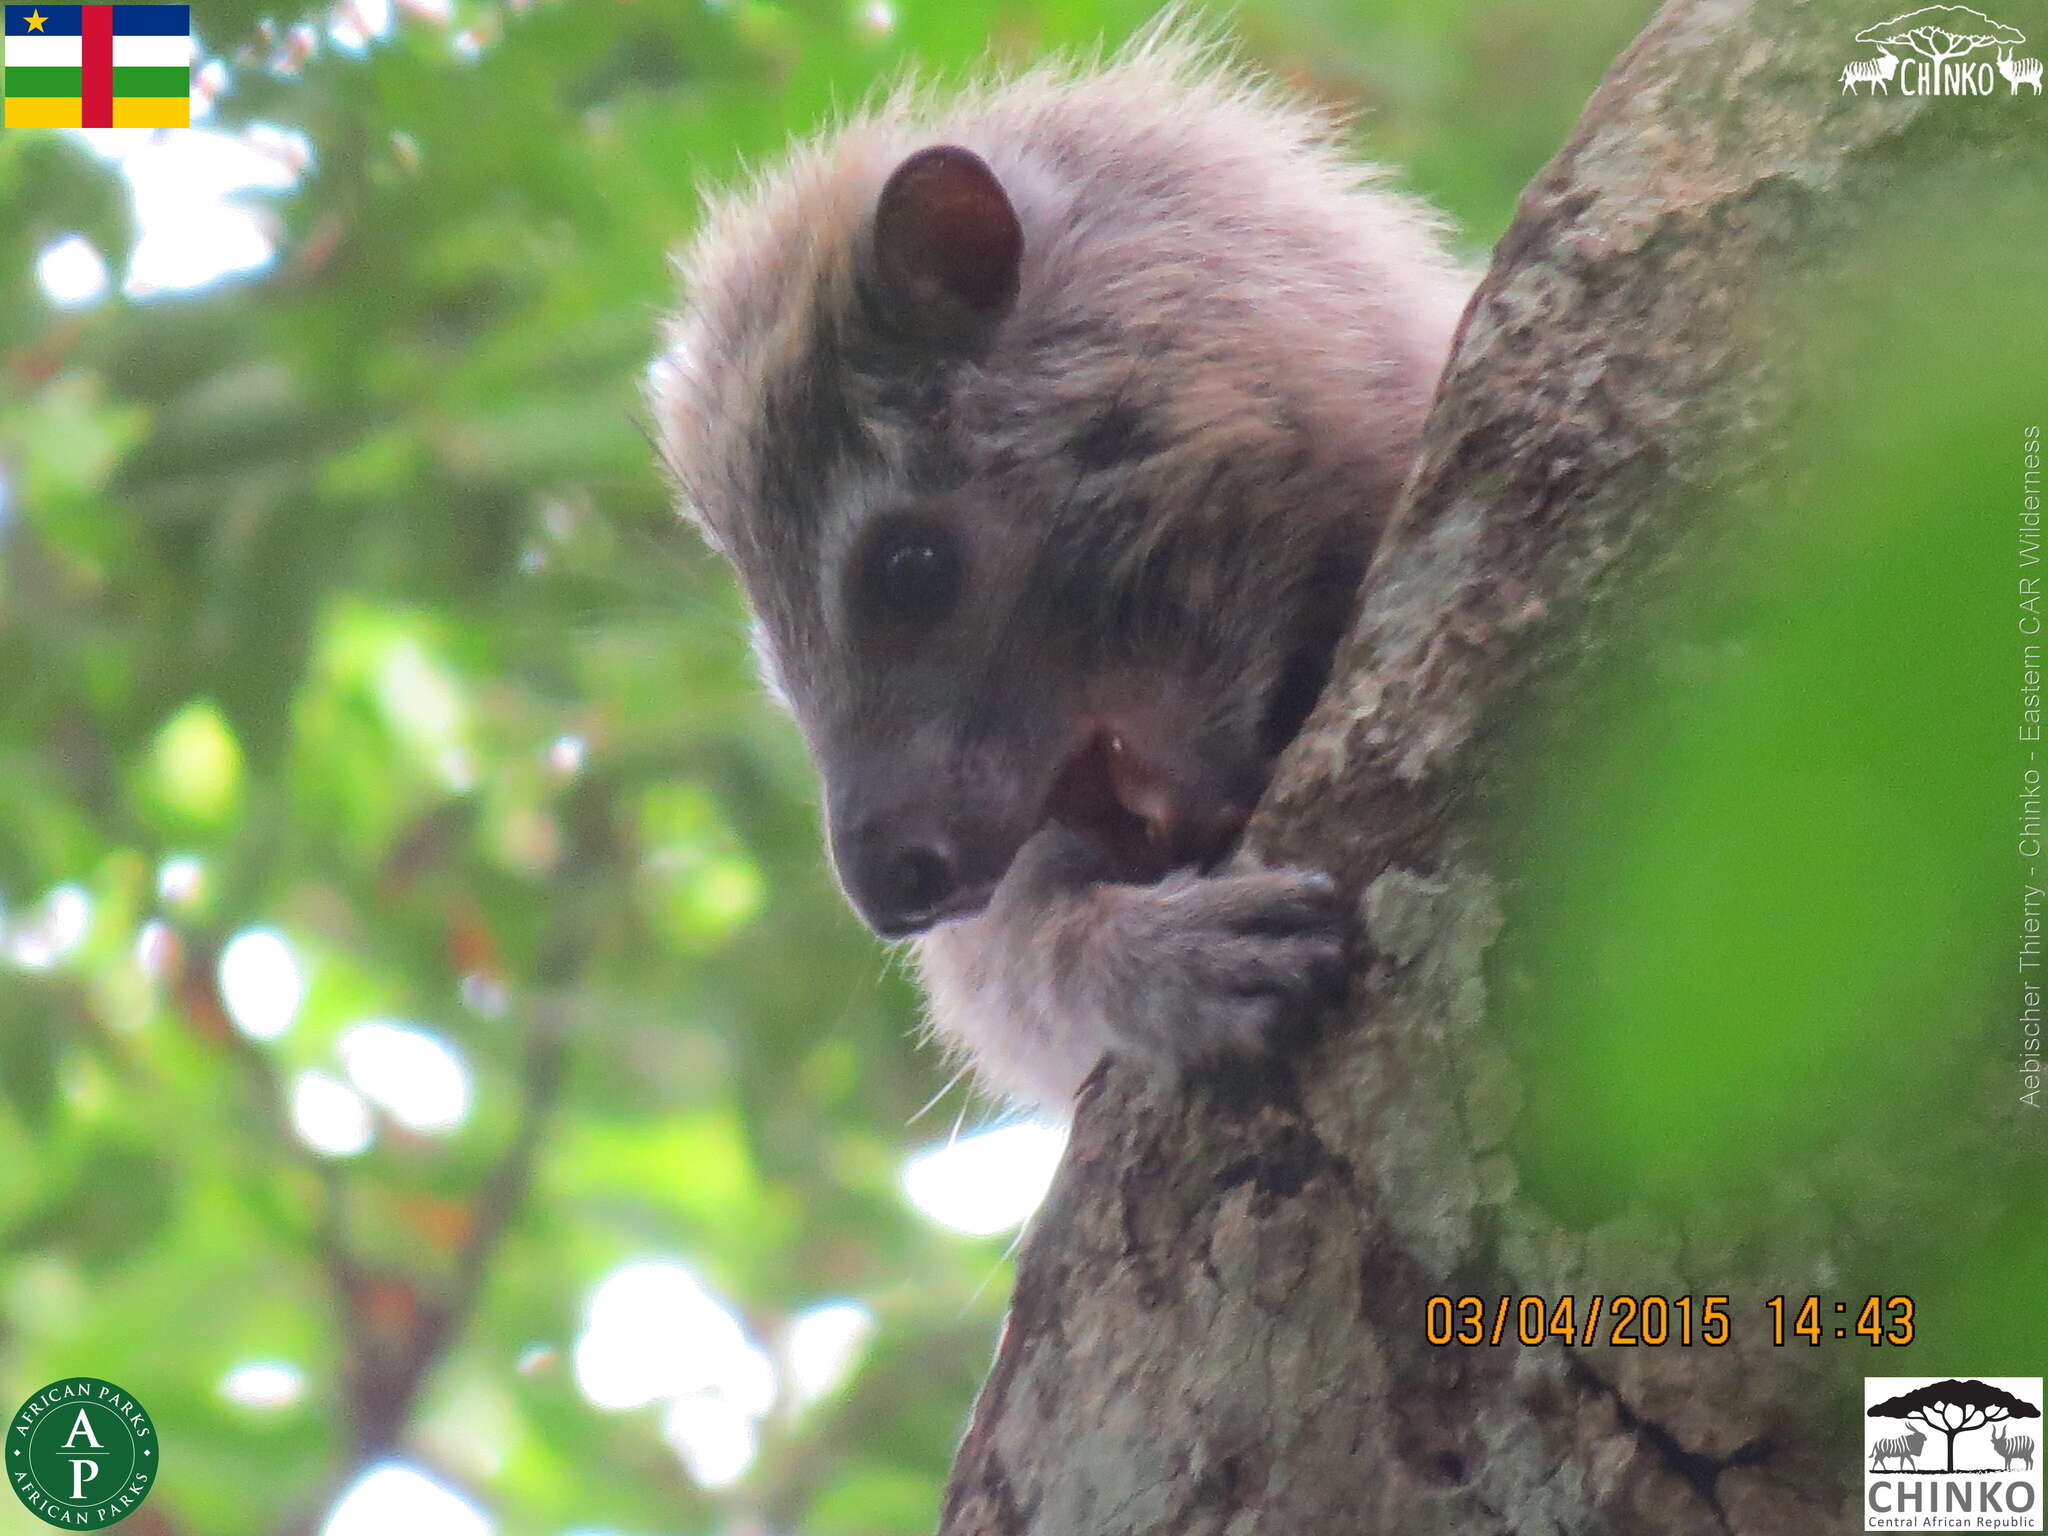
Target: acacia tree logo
<point x="1952" y="1407"/>
<point x="1942" y="32"/>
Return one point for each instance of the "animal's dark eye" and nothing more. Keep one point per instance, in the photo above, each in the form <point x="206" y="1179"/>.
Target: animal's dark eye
<point x="914" y="574"/>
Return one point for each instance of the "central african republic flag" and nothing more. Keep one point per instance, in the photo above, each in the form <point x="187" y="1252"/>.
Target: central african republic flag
<point x="98" y="66"/>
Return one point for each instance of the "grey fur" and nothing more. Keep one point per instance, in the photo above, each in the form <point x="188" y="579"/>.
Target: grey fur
<point x="1167" y="462"/>
<point x="1185" y="971"/>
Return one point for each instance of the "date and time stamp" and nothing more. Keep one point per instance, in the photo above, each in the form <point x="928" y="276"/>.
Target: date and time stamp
<point x="1650" y="1321"/>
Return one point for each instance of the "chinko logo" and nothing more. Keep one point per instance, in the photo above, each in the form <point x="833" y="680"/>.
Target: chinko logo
<point x="81" y="1453"/>
<point x="1951" y="1455"/>
<point x="1935" y="45"/>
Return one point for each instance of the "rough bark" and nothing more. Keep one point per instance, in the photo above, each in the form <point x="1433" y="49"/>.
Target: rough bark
<point x="1218" y="1321"/>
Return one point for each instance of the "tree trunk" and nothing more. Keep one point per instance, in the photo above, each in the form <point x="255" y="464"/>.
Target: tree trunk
<point x="1219" y="1319"/>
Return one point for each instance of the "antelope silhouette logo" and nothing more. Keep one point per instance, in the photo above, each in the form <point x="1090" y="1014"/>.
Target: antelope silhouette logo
<point x="1876" y="73"/>
<point x="1951" y="1453"/>
<point x="2019" y="72"/>
<point x="2014" y="1448"/>
<point x="1938" y="50"/>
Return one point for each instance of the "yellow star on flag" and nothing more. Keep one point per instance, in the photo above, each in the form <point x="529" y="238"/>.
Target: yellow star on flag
<point x="36" y="20"/>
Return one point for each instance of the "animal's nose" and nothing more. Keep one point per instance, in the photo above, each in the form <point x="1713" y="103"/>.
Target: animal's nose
<point x="914" y="881"/>
<point x="903" y="874"/>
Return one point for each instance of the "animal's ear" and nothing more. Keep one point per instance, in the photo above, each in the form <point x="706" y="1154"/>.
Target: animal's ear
<point x="947" y="244"/>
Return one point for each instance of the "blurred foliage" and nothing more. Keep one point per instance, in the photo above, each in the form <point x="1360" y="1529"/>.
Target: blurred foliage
<point x="1766" y="867"/>
<point x="342" y="600"/>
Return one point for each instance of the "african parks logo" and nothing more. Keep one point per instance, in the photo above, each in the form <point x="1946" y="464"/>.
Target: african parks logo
<point x="81" y="1453"/>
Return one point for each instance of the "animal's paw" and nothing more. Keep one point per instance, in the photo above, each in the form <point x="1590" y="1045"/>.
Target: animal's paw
<point x="1209" y="967"/>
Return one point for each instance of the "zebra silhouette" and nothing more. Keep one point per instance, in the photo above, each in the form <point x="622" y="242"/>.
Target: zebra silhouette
<point x="2014" y="1448"/>
<point x="1904" y="1448"/>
